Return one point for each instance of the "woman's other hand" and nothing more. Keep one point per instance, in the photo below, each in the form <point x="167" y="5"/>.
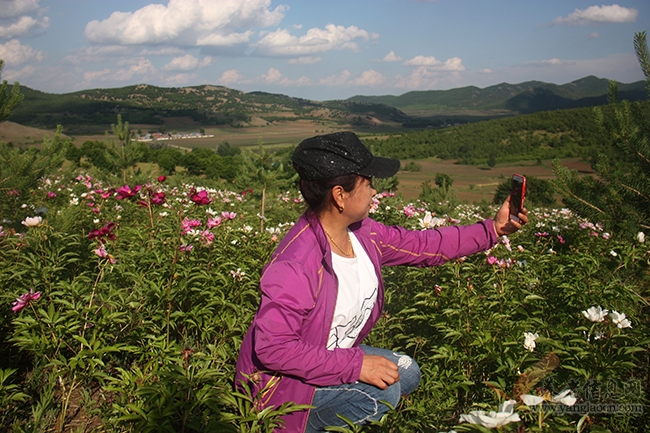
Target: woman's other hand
<point x="378" y="371"/>
<point x="503" y="224"/>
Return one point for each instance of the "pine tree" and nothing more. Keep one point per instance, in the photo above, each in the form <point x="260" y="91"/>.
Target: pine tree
<point x="125" y="153"/>
<point x="8" y="101"/>
<point x="619" y="196"/>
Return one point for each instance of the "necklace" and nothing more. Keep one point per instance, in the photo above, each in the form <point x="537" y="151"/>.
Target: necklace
<point x="349" y="253"/>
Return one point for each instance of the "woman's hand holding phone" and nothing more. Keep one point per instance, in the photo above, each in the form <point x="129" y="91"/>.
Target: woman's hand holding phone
<point x="512" y="214"/>
<point x="517" y="196"/>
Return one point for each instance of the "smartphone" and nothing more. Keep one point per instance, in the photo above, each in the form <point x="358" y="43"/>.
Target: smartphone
<point x="517" y="195"/>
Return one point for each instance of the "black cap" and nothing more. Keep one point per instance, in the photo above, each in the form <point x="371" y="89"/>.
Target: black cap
<point x="333" y="155"/>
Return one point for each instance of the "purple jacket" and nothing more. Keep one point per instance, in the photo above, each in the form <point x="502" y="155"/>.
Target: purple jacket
<point x="284" y="351"/>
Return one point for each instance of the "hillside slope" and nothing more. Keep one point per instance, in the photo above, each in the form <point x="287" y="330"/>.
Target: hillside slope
<point x="207" y="105"/>
<point x="527" y="97"/>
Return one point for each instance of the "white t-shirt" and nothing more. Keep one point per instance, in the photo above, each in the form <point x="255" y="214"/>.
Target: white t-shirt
<point x="357" y="294"/>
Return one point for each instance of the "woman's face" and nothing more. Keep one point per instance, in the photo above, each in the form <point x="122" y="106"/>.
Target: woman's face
<point x="359" y="200"/>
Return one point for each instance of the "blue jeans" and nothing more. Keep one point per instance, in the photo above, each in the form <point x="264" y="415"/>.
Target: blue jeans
<point x="360" y="402"/>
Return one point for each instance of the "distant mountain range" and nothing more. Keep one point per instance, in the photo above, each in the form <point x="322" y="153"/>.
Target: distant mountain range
<point x="215" y="105"/>
<point x="528" y="97"/>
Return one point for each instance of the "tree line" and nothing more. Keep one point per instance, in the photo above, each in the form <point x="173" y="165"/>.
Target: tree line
<point x="616" y="138"/>
<point x="552" y="134"/>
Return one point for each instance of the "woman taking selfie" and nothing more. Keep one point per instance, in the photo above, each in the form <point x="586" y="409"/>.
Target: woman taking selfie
<point x="322" y="291"/>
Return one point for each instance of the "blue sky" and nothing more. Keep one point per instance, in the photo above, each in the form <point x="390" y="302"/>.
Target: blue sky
<point x="317" y="49"/>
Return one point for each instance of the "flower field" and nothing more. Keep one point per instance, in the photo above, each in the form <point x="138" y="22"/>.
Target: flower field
<point x="122" y="308"/>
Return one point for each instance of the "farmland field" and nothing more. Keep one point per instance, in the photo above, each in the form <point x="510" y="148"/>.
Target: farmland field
<point x="471" y="183"/>
<point x="475" y="183"/>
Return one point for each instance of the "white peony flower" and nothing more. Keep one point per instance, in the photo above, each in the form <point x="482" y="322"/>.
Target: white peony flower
<point x="529" y="340"/>
<point x="595" y="314"/>
<point x="640" y="237"/>
<point x="531" y="400"/>
<point x="565" y="397"/>
<point x="431" y="222"/>
<point x="32" y="221"/>
<point x="619" y="320"/>
<point x="504" y="416"/>
<point x="613" y="253"/>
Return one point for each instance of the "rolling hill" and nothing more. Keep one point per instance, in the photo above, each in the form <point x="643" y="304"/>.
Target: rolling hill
<point x="527" y="97"/>
<point x="218" y="105"/>
<point x="206" y="105"/>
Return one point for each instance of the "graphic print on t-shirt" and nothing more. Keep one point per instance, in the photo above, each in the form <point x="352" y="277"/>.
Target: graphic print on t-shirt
<point x="348" y="332"/>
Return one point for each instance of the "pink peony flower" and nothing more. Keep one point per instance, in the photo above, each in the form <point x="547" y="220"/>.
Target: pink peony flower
<point x="51" y="194"/>
<point x="187" y="225"/>
<point x="23" y="300"/>
<point x="228" y="215"/>
<point x="158" y="198"/>
<point x="161" y="179"/>
<point x="207" y="237"/>
<point x="214" y="222"/>
<point x="127" y="192"/>
<point x="104" y="232"/>
<point x="106" y="194"/>
<point x="200" y="198"/>
<point x="491" y="260"/>
<point x="101" y="252"/>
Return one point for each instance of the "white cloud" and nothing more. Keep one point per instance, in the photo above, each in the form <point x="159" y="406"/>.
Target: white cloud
<point x="186" y="23"/>
<point x="305" y="60"/>
<point x="485" y="71"/>
<point x="594" y="35"/>
<point x="332" y="37"/>
<point x="336" y="80"/>
<point x="454" y="64"/>
<point x="23" y="26"/>
<point x="433" y="64"/>
<point x="14" y="8"/>
<point x="15" y="54"/>
<point x="425" y="77"/>
<point x="181" y="79"/>
<point x="549" y="62"/>
<point x="418" y="79"/>
<point x="166" y="51"/>
<point x="304" y="81"/>
<point x="29" y="71"/>
<point x="139" y="69"/>
<point x="91" y="76"/>
<point x="599" y="14"/>
<point x="423" y="61"/>
<point x="391" y="57"/>
<point x="187" y="63"/>
<point x="273" y="76"/>
<point x="230" y="77"/>
<point x="97" y="54"/>
<point x="370" y="78"/>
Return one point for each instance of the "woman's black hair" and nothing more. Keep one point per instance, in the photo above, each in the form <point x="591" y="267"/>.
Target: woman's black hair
<point x="317" y="192"/>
